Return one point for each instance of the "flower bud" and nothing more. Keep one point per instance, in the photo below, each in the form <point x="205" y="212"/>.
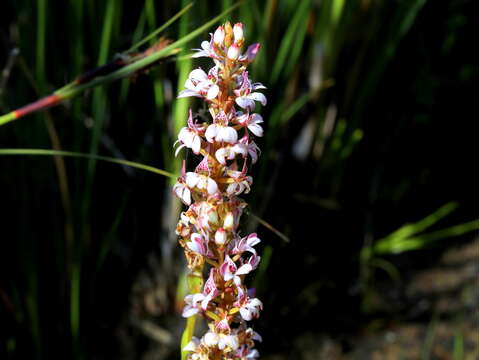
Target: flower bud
<point x="219" y="35"/>
<point x="238" y="32"/>
<point x="228" y="34"/>
<point x="213" y="217"/>
<point x="220" y="237"/>
<point x="233" y="52"/>
<point x="229" y="222"/>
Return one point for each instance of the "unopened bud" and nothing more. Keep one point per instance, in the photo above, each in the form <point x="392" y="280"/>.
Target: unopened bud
<point x="213" y="217"/>
<point x="228" y="34"/>
<point x="233" y="52"/>
<point x="220" y="237"/>
<point x="238" y="32"/>
<point x="219" y="35"/>
<point x="229" y="222"/>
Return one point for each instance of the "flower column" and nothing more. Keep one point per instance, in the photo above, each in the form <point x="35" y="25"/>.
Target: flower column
<point x="208" y="230"/>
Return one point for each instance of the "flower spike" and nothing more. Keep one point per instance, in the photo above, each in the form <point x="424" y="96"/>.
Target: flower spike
<point x="208" y="230"/>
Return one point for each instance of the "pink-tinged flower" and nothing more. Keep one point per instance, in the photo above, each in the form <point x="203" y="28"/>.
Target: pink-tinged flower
<point x="245" y="97"/>
<point x="210" y="290"/>
<point x="251" y="121"/>
<point x="223" y="325"/>
<point x="199" y="84"/>
<point x="250" y="54"/>
<point x="253" y="261"/>
<point x="246" y="244"/>
<point x="219" y="35"/>
<point x="246" y="353"/>
<point x="182" y="191"/>
<point x="238" y="32"/>
<point x="206" y="215"/>
<point x="192" y="304"/>
<point x="230" y="271"/>
<point x="190" y="136"/>
<point x="241" y="183"/>
<point x="233" y="52"/>
<point x="201" y="182"/>
<point x="253" y="149"/>
<point x="228" y="341"/>
<point x="229" y="152"/>
<point x="220" y="133"/>
<point x="205" y="51"/>
<point x="247" y="101"/>
<point x="249" y="308"/>
<point x="197" y="244"/>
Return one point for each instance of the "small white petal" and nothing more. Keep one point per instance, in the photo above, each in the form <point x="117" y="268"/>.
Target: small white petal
<point x="212" y="187"/>
<point x="196" y="145"/>
<point x="192" y="179"/>
<point x="211" y="338"/>
<point x="213" y="92"/>
<point x="187" y="93"/>
<point x="244" y="269"/>
<point x="211" y="132"/>
<point x="187" y="312"/>
<point x="256" y="129"/>
<point x="227" y="134"/>
<point x="198" y="75"/>
<point x="258" y="97"/>
<point x="244" y="102"/>
<point x="246" y="314"/>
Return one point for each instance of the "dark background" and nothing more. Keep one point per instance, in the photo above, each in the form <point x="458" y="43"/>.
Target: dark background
<point x="382" y="98"/>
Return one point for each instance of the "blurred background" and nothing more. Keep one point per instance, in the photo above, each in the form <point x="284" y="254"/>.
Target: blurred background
<point x="367" y="172"/>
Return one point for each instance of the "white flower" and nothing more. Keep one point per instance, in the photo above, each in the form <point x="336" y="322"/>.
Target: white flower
<point x="246" y="244"/>
<point x="190" y="139"/>
<point x="250" y="309"/>
<point x="202" y="182"/>
<point x="230" y="152"/>
<point x="211" y="339"/>
<point x="230" y="341"/>
<point x="206" y="50"/>
<point x="247" y="101"/>
<point x="229" y="270"/>
<point x="251" y="121"/>
<point x="197" y="244"/>
<point x="182" y="191"/>
<point x="192" y="303"/>
<point x="220" y="133"/>
<point x="199" y="84"/>
<point x="241" y="183"/>
<point x="192" y="345"/>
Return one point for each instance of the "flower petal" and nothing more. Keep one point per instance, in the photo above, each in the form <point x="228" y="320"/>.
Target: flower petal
<point x="213" y="92"/>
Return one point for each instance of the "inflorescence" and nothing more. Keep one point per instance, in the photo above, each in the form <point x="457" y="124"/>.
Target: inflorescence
<point x="208" y="230"/>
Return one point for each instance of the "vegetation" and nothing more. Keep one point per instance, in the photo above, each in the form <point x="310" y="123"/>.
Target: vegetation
<point x="367" y="128"/>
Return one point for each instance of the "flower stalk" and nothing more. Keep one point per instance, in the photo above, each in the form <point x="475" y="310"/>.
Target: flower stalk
<point x="208" y="229"/>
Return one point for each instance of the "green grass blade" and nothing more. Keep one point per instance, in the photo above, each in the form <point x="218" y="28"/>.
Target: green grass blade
<point x="47" y="152"/>
<point x="161" y="28"/>
<point x="289" y="39"/>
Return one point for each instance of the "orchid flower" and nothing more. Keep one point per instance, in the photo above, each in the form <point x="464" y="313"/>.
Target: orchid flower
<point x="208" y="230"/>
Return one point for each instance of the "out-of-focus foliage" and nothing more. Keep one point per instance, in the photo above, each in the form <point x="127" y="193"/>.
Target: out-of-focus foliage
<point x="370" y="118"/>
